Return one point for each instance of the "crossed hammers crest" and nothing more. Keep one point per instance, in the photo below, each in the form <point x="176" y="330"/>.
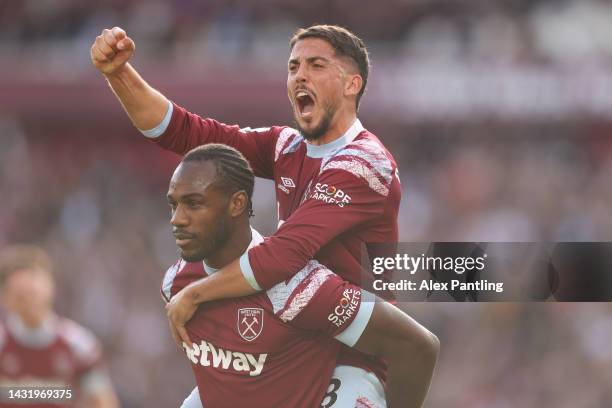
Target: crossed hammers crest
<point x="249" y="327"/>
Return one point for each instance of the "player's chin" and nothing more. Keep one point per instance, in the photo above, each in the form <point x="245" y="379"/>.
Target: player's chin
<point x="307" y="125"/>
<point x="191" y="255"/>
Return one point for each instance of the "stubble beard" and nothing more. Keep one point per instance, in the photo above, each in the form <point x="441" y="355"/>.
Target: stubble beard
<point x="212" y="245"/>
<point x="319" y="130"/>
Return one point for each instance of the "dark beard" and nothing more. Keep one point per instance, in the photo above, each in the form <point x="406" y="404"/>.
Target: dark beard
<point x="320" y="130"/>
<point x="212" y="245"/>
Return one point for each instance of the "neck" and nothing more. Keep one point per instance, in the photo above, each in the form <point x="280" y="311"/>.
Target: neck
<point x="235" y="246"/>
<point x="339" y="125"/>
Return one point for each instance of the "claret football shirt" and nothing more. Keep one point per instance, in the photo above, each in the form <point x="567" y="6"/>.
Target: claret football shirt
<point x="59" y="354"/>
<point x="274" y="348"/>
<point x="331" y="199"/>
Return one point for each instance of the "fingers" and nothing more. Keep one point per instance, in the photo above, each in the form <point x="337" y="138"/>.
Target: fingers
<point x="109" y="38"/>
<point x="118" y="33"/>
<point x="175" y="336"/>
<point x="110" y="42"/>
<point x="111" y="50"/>
<point x="177" y="328"/>
<point x="101" y="50"/>
<point x="173" y="333"/>
<point x="183" y="334"/>
<point x="119" y="39"/>
<point x="126" y="44"/>
<point x="96" y="55"/>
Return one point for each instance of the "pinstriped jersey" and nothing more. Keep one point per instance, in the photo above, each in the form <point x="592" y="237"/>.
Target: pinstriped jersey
<point x="275" y="348"/>
<point x="331" y="198"/>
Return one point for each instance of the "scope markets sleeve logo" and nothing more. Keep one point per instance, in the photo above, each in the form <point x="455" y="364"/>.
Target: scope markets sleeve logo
<point x="346" y="308"/>
<point x="330" y="194"/>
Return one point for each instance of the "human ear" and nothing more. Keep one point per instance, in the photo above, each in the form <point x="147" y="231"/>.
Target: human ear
<point x="353" y="85"/>
<point x="238" y="203"/>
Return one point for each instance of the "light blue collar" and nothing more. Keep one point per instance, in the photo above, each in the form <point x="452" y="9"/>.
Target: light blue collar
<point x="320" y="151"/>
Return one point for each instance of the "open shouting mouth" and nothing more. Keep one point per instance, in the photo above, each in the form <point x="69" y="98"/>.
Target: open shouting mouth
<point x="305" y="103"/>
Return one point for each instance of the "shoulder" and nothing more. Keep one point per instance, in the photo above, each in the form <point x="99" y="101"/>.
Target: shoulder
<point x="169" y="276"/>
<point x="81" y="342"/>
<point x="365" y="158"/>
<point x="266" y="131"/>
<point x="289" y="298"/>
<point x="288" y="141"/>
<point x="179" y="275"/>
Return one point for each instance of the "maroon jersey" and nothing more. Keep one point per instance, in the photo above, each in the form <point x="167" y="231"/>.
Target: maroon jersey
<point x="58" y="354"/>
<point x="275" y="348"/>
<point x="331" y="198"/>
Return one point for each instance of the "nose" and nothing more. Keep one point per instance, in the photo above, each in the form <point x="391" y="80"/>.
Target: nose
<point x="179" y="217"/>
<point x="300" y="74"/>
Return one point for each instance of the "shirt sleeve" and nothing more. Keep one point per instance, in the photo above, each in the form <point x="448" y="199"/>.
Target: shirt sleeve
<point x="186" y="131"/>
<point x="325" y="303"/>
<point x="338" y="201"/>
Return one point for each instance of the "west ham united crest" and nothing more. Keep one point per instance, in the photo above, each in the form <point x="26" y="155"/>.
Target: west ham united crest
<point x="250" y="322"/>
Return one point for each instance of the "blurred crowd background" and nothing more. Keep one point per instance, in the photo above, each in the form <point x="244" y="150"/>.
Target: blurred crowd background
<point x="498" y="112"/>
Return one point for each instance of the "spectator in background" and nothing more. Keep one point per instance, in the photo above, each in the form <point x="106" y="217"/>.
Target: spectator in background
<point x="40" y="349"/>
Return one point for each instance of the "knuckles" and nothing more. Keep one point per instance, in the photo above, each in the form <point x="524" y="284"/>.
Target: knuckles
<point x="103" y="49"/>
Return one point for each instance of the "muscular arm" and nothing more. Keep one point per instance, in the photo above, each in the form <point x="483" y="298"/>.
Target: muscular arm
<point x="410" y="350"/>
<point x="110" y="52"/>
<point x="358" y="319"/>
<point x="183" y="305"/>
<point x="171" y="126"/>
<point x="145" y="106"/>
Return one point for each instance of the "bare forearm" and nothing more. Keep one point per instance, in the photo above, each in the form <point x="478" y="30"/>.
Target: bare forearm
<point x="228" y="282"/>
<point x="409" y="379"/>
<point x="410" y="350"/>
<point x="145" y="106"/>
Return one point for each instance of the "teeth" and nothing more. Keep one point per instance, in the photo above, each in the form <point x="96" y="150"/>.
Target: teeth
<point x="300" y="94"/>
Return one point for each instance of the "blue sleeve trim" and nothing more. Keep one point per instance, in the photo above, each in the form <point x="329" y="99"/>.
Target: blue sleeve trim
<point x="159" y="130"/>
<point x="247" y="271"/>
<point x="353" y="332"/>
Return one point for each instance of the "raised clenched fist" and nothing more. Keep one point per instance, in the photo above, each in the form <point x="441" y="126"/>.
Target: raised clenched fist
<point x="111" y="50"/>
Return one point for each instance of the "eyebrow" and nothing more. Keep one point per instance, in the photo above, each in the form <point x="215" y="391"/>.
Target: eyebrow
<point x="309" y="59"/>
<point x="186" y="196"/>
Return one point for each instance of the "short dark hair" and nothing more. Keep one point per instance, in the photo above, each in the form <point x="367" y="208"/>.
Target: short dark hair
<point x="344" y="42"/>
<point x="19" y="257"/>
<point x="234" y="172"/>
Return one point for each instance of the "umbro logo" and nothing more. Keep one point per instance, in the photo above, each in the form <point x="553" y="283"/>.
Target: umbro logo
<point x="285" y="184"/>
